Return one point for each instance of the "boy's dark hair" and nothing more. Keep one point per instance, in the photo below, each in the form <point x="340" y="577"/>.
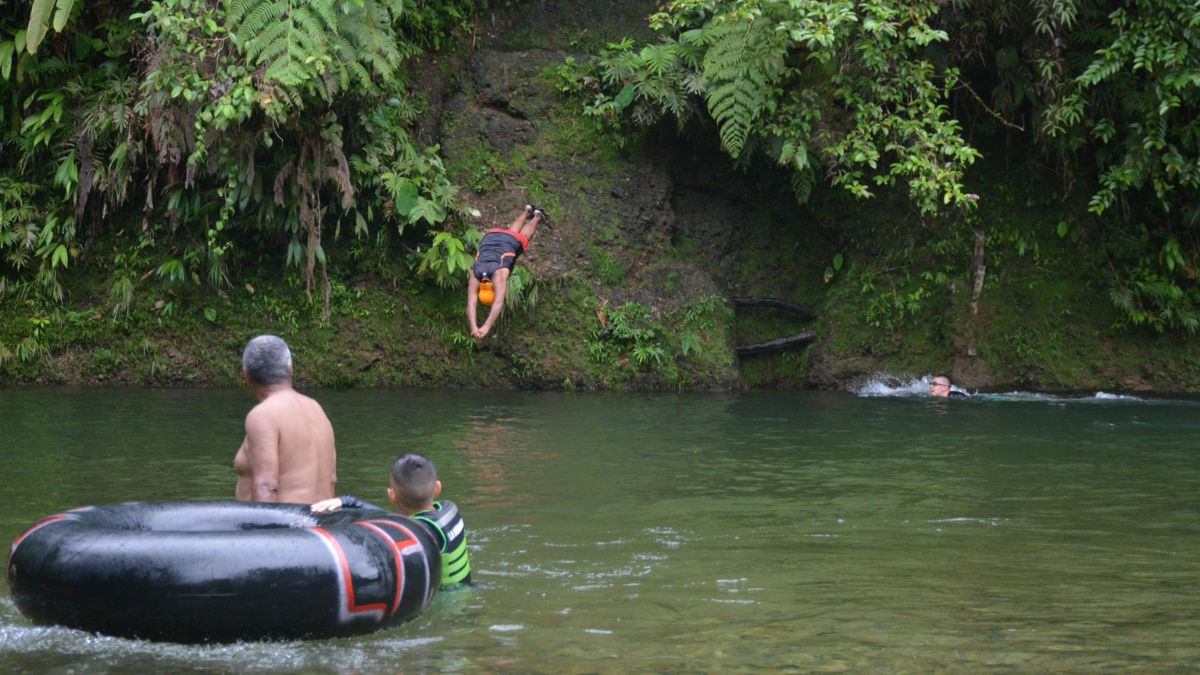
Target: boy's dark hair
<point x="414" y="477"/>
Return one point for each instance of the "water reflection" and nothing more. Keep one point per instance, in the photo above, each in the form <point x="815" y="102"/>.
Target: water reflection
<point x="485" y="447"/>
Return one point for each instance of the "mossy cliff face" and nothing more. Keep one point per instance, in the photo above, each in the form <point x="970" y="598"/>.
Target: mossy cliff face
<point x="610" y="306"/>
<point x="633" y="279"/>
<point x="616" y="306"/>
<point x="666" y="223"/>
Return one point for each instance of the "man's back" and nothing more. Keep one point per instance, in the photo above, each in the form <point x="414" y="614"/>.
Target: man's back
<point x="289" y="445"/>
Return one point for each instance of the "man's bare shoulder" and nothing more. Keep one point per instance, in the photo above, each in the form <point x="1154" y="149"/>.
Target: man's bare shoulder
<point x="261" y="417"/>
<point x="306" y="403"/>
<point x="277" y="404"/>
<point x="312" y="402"/>
<point x="281" y="407"/>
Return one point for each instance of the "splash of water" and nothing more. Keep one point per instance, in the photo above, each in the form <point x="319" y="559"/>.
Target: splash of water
<point x="886" y="384"/>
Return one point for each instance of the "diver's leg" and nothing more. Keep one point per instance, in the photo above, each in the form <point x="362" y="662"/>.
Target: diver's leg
<point x="525" y="214"/>
<point x="530" y="225"/>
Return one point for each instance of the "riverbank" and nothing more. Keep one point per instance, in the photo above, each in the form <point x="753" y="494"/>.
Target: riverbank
<point x="632" y="287"/>
<point x="656" y="324"/>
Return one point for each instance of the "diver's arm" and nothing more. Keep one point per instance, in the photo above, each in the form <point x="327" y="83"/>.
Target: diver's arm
<point x="472" y="299"/>
<point x="501" y="285"/>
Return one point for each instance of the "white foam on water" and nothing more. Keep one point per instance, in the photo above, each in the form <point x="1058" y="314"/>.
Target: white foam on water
<point x="887" y="385"/>
<point x="994" y="522"/>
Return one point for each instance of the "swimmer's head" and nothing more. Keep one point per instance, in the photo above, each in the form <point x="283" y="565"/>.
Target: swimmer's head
<point x="487" y="294"/>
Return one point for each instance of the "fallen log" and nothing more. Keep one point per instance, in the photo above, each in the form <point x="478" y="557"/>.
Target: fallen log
<point x="777" y="344"/>
<point x="777" y="304"/>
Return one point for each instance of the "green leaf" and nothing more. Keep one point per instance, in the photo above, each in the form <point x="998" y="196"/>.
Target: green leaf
<point x="39" y="20"/>
<point x="405" y="194"/>
<point x="800" y="159"/>
<point x="837" y="262"/>
<point x="210" y="314"/>
<point x="6" y="58"/>
<point x="295" y="252"/>
<point x="63" y="14"/>
<point x="624" y="98"/>
<point x="171" y="270"/>
<point x="1062" y="229"/>
<point x="690" y="342"/>
<point x="59" y="257"/>
<point x="427" y="210"/>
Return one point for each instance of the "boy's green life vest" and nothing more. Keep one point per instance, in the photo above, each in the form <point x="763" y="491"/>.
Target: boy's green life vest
<point x="456" y="566"/>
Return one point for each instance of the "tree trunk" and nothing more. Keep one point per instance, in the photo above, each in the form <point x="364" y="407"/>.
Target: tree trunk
<point x="776" y="345"/>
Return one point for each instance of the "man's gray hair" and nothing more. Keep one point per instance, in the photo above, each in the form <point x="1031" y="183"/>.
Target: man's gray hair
<point x="267" y="360"/>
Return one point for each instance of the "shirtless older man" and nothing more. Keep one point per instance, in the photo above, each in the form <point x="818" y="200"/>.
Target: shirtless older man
<point x="288" y="454"/>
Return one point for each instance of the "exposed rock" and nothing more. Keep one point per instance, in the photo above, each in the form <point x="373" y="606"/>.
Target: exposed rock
<point x="711" y="221"/>
<point x="621" y="213"/>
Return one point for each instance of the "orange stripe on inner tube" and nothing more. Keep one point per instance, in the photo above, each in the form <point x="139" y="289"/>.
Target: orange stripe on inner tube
<point x="341" y="554"/>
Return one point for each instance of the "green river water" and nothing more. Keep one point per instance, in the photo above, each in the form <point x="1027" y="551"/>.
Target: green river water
<point x="779" y="532"/>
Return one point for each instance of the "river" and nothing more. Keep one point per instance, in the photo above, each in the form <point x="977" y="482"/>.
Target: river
<point x="883" y="531"/>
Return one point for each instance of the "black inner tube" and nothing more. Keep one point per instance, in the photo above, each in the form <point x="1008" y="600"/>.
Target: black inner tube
<point x="224" y="571"/>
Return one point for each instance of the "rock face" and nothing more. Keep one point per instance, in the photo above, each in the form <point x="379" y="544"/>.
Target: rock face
<point x="614" y="219"/>
<point x="504" y="109"/>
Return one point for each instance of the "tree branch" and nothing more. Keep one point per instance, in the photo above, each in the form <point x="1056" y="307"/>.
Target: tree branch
<point x="991" y="112"/>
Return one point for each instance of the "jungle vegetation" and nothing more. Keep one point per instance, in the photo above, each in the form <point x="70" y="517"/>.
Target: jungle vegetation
<point x="868" y="94"/>
<point x="177" y="143"/>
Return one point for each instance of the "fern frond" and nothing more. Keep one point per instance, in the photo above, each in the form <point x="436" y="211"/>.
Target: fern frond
<point x="658" y="59"/>
<point x="251" y="29"/>
<point x="802" y="184"/>
<point x="362" y="76"/>
<point x="312" y="33"/>
<point x="741" y="65"/>
<point x="380" y="64"/>
<point x="328" y="14"/>
<point x="319" y="47"/>
<point x="374" y="43"/>
<point x="237" y="10"/>
<point x="284" y="72"/>
<point x="269" y="44"/>
<point x="394" y="8"/>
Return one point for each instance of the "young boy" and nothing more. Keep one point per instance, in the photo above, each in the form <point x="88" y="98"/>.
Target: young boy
<point x="414" y="487"/>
